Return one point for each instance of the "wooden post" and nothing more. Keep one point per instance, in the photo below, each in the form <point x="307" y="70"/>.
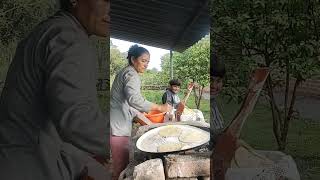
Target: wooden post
<point x="171" y="65"/>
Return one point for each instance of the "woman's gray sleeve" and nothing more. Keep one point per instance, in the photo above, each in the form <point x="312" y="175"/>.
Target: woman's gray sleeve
<point x="132" y="91"/>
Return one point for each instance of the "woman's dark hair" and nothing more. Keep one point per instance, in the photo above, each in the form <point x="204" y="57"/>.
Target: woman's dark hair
<point x="65" y="5"/>
<point x="217" y="67"/>
<point x="136" y="51"/>
<point x="176" y="82"/>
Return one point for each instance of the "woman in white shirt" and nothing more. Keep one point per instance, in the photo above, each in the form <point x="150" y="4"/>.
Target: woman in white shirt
<point x="125" y="95"/>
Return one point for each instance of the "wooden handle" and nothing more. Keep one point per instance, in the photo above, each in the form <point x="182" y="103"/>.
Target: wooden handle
<point x="190" y="87"/>
<point x="255" y="86"/>
<point x="182" y="104"/>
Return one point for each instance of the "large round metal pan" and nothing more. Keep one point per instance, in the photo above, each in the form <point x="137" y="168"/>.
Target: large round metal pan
<point x="150" y="141"/>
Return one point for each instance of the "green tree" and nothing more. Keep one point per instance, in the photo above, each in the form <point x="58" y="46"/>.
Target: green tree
<point x="153" y="77"/>
<point x="117" y="60"/>
<point x="17" y="19"/>
<point x="165" y="64"/>
<point x="191" y="65"/>
<point x="194" y="65"/>
<point x="282" y="35"/>
<point x="102" y="51"/>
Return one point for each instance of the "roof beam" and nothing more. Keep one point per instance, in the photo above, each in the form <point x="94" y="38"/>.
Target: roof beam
<point x="169" y="3"/>
<point x="143" y="19"/>
<point x="144" y="34"/>
<point x="159" y="29"/>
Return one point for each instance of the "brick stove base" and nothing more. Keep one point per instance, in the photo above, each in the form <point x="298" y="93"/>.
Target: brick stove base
<point x="193" y="164"/>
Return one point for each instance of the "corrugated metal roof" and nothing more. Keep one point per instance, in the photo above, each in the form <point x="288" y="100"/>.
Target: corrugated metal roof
<point x="166" y="24"/>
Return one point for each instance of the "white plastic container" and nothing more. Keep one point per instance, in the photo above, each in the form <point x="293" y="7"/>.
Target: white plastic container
<point x="284" y="166"/>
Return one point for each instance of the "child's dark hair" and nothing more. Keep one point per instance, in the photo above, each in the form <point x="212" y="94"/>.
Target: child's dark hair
<point x="136" y="51"/>
<point x="65" y="5"/>
<point x="217" y="67"/>
<point x="176" y="82"/>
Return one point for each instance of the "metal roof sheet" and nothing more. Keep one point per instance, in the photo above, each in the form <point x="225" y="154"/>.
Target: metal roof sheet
<point x="166" y="24"/>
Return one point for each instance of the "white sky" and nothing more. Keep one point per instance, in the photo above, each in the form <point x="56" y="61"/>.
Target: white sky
<point x="155" y="53"/>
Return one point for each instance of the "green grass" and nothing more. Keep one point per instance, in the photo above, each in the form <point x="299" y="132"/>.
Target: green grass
<point x="303" y="137"/>
<point x="156" y="95"/>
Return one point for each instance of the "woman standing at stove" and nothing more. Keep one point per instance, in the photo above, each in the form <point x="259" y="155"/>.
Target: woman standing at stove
<point x="126" y="96"/>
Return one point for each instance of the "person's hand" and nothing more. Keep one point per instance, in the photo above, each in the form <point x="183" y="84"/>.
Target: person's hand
<point x="165" y="107"/>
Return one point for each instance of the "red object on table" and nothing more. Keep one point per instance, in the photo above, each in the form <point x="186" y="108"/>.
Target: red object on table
<point x="155" y="116"/>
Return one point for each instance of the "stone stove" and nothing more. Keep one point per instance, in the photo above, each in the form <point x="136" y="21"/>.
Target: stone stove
<point x="191" y="164"/>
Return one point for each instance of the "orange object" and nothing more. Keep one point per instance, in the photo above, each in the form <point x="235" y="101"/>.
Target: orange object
<point x="155" y="116"/>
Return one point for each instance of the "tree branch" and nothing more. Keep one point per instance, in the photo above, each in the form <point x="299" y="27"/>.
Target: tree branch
<point x="200" y="96"/>
<point x="289" y="117"/>
<point x="238" y="43"/>
<point x="287" y="89"/>
<point x="275" y="121"/>
<point x="17" y="7"/>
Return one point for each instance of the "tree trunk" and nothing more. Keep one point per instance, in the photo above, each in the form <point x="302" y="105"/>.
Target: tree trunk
<point x="282" y="145"/>
<point x="276" y="114"/>
<point x="285" y="130"/>
<point x="287" y="89"/>
<point x="200" y="96"/>
<point x="195" y="96"/>
<point x="276" y="130"/>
